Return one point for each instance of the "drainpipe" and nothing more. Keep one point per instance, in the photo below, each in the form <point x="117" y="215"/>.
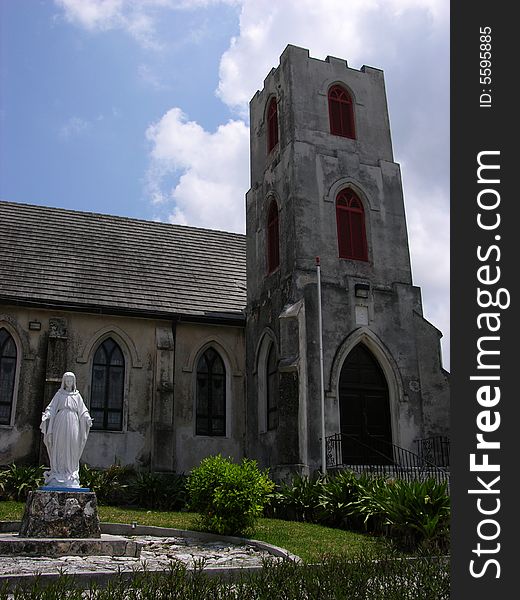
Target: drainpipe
<point x="322" y="386"/>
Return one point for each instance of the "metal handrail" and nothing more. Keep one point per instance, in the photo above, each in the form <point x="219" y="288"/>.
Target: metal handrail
<point x="387" y="459"/>
<point x="436" y="449"/>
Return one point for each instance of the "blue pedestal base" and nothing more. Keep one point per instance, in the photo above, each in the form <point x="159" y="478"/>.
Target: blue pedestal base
<point x="63" y="489"/>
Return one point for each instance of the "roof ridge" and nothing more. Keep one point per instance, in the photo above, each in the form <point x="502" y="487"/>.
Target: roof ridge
<point x="119" y="218"/>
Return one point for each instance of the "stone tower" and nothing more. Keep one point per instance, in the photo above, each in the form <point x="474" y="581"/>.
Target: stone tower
<point x="324" y="183"/>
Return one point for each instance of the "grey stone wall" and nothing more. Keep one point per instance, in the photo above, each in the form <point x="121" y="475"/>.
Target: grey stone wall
<point x="158" y="414"/>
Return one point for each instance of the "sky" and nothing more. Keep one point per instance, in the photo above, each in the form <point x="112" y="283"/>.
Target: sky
<point x="139" y="108"/>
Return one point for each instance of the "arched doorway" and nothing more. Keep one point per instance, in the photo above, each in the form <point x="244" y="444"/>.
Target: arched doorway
<point x="364" y="410"/>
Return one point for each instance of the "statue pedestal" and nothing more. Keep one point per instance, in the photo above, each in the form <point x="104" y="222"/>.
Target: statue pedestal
<point x="60" y="514"/>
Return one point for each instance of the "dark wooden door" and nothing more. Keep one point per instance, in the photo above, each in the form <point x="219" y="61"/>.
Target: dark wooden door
<point x="364" y="410"/>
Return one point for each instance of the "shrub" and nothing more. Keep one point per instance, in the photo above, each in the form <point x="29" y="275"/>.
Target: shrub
<point x="158" y="491"/>
<point x="297" y="501"/>
<point x="229" y="497"/>
<point x="415" y="512"/>
<point x="17" y="481"/>
<point x="109" y="484"/>
<point x="412" y="513"/>
<point x="336" y="499"/>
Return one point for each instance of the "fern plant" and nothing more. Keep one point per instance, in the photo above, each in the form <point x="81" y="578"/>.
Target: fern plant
<point x="16" y="481"/>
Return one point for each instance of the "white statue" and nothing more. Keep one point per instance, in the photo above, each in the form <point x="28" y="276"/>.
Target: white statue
<point x="65" y="426"/>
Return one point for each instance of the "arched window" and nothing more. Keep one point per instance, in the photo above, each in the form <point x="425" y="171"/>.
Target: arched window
<point x="341" y="112"/>
<point x="211" y="395"/>
<point x="273" y="238"/>
<point x="108" y="384"/>
<point x="350" y="218"/>
<point x="272" y="389"/>
<point x="272" y="125"/>
<point x="8" y="358"/>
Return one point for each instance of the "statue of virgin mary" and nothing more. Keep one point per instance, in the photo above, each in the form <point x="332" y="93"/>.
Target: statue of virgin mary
<point x="65" y="426"/>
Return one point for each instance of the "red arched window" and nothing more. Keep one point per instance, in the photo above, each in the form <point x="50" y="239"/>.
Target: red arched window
<point x="272" y="125"/>
<point x="341" y="112"/>
<point x="350" y="218"/>
<point x="273" y="238"/>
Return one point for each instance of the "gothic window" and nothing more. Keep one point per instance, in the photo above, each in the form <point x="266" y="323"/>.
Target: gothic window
<point x="272" y="388"/>
<point x="273" y="238"/>
<point x="350" y="218"/>
<point x="108" y="383"/>
<point x="341" y="112"/>
<point x="211" y="395"/>
<point x="7" y="375"/>
<point x="364" y="409"/>
<point x="272" y="125"/>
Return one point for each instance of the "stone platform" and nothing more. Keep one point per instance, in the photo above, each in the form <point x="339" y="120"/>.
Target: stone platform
<point x="60" y="514"/>
<point x="107" y="545"/>
<point x="220" y="555"/>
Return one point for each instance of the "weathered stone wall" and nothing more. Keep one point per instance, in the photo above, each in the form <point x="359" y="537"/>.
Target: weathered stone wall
<point x="191" y="341"/>
<point x="158" y="415"/>
<point x="20" y="441"/>
<point x="68" y="341"/>
<point x="435" y="380"/>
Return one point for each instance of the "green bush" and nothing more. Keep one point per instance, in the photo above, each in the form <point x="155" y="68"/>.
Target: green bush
<point x="412" y="513"/>
<point x="415" y="512"/>
<point x="297" y="501"/>
<point x="162" y="491"/>
<point x="337" y="495"/>
<point x="110" y="484"/>
<point x="17" y="481"/>
<point x="229" y="496"/>
<point x="116" y="485"/>
<point x="123" y="486"/>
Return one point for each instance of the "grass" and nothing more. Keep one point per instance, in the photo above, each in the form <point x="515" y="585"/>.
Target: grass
<point x="311" y="542"/>
<point x="308" y="541"/>
<point x="333" y="579"/>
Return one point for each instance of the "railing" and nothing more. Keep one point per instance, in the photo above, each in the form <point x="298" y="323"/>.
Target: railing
<point x="380" y="457"/>
<point x="435" y="449"/>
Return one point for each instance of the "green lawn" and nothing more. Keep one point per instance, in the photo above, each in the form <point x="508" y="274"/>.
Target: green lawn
<point x="306" y="540"/>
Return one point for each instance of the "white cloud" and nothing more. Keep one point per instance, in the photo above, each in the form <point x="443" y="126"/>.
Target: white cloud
<point x="213" y="169"/>
<point x="429" y="237"/>
<point x="93" y="14"/>
<point x="138" y="18"/>
<point x="150" y="78"/>
<point x="359" y="30"/>
<point x="74" y="127"/>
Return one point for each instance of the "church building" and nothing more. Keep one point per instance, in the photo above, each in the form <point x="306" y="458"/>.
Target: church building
<point x="188" y="342"/>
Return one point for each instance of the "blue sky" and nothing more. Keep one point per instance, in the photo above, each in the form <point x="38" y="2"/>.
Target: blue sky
<point x="139" y="107"/>
<point x="76" y="103"/>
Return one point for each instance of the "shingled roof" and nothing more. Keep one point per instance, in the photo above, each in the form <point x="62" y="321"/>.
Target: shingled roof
<point x="63" y="258"/>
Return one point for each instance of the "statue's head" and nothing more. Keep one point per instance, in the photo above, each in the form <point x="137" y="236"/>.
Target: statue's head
<point x="68" y="382"/>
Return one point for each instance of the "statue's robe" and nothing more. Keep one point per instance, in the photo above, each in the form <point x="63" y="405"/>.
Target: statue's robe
<point x="65" y="425"/>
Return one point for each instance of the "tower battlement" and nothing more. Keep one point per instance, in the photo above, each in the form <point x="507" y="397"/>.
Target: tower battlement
<point x="292" y="52"/>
